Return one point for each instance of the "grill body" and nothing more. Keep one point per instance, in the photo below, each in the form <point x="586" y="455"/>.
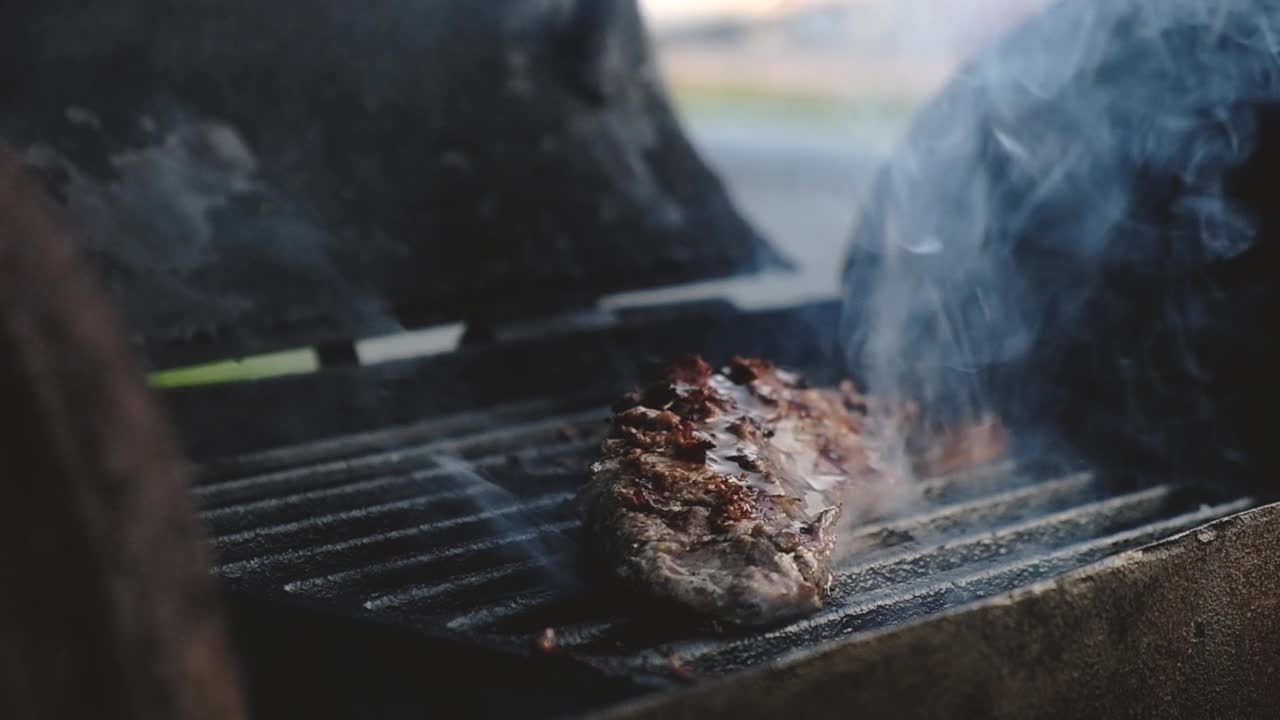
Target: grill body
<point x="1184" y="628"/>
<point x="458" y="529"/>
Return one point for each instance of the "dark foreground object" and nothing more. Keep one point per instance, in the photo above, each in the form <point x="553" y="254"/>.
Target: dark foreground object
<point x="108" y="610"/>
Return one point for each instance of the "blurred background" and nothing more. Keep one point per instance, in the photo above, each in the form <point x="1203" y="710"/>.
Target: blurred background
<point x="795" y="102"/>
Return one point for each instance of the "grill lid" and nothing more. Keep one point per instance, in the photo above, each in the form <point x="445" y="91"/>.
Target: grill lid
<point x="252" y="177"/>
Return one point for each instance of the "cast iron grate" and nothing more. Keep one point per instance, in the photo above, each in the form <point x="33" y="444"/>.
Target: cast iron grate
<point x="465" y="525"/>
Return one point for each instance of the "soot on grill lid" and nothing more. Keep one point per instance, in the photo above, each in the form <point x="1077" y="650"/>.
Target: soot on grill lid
<point x="251" y="177"/>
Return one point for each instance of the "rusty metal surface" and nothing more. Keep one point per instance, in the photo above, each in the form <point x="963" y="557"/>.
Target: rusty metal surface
<point x="1185" y="628"/>
<point x="107" y="609"/>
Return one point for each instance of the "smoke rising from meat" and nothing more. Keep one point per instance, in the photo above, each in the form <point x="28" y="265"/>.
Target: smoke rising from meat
<point x="1071" y="232"/>
<point x="534" y="538"/>
<point x="722" y="491"/>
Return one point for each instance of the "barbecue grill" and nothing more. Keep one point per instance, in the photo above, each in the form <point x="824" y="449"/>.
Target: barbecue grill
<point x="398" y="539"/>
<point x="459" y="526"/>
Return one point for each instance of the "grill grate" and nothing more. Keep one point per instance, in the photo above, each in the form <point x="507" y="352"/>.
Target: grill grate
<point x="464" y="525"/>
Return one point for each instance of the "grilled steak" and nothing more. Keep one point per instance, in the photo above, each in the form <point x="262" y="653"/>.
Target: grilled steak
<point x="720" y="490"/>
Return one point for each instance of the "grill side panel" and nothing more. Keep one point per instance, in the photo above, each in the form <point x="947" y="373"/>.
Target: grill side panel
<point x="1184" y="628"/>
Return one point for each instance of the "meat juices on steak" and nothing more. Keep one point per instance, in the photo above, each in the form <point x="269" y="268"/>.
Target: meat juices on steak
<point x="719" y="490"/>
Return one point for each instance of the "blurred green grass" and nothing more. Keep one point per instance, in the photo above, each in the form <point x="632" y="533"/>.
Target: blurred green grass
<point x="770" y="103"/>
<point x="290" y="362"/>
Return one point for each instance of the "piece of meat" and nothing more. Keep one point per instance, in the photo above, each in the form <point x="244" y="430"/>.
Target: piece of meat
<point x="720" y="491"/>
<point x="545" y="641"/>
<point x="960" y="447"/>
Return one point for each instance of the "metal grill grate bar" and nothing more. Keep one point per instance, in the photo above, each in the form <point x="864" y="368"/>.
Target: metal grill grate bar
<point x="413" y="596"/>
<point x="900" y="603"/>
<point x="475" y="493"/>
<point x="496" y="469"/>
<point x="1032" y="500"/>
<point x="364" y="576"/>
<point x="1029" y="537"/>
<point x="359" y="444"/>
<point x="381" y="543"/>
<point x="543" y="433"/>
<point x="473" y="545"/>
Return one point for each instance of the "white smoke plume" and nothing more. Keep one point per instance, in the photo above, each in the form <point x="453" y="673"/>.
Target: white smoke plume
<point x="1048" y="206"/>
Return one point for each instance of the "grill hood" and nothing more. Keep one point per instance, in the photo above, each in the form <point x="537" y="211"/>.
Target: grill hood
<point x="251" y="177"/>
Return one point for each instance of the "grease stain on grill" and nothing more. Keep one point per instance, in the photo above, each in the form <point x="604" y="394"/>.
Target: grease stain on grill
<point x="375" y="525"/>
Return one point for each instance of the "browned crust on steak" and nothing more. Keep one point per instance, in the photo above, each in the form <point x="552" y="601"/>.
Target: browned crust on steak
<point x="718" y="490"/>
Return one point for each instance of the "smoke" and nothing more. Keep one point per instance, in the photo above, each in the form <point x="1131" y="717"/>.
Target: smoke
<point x="541" y="541"/>
<point x="1047" y="237"/>
<point x="183" y="215"/>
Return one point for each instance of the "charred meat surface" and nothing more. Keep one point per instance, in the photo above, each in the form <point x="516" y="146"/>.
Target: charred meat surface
<point x="720" y="491"/>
